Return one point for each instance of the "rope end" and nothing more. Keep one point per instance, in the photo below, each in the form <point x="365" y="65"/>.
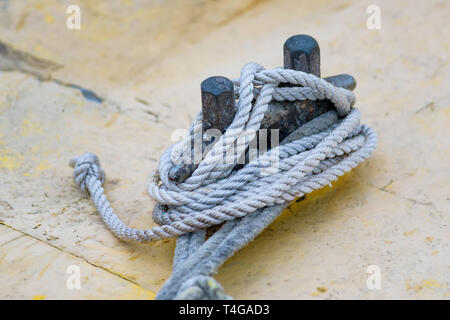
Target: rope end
<point x="86" y="166"/>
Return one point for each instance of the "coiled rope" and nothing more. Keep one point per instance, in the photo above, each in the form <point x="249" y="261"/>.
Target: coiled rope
<point x="311" y="157"/>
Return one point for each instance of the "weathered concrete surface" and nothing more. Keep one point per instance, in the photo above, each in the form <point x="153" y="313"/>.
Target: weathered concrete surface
<point x="37" y="265"/>
<point x="146" y="61"/>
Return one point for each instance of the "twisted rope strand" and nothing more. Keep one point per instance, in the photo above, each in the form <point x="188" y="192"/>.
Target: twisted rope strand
<point x="311" y="157"/>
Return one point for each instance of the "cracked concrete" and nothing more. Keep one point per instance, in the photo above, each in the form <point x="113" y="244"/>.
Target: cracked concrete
<point x="392" y="211"/>
<point x="37" y="265"/>
<point x="16" y="60"/>
<point x="23" y="234"/>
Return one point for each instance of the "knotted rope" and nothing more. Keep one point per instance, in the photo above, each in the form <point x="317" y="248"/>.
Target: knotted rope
<point x="311" y="157"/>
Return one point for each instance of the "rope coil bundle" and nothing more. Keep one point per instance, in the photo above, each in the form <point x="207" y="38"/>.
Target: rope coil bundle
<point x="311" y="157"/>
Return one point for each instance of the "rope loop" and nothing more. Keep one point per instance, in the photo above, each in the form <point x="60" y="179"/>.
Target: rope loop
<point x="311" y="157"/>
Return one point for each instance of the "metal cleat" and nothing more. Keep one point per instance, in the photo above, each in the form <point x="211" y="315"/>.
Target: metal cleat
<point x="302" y="53"/>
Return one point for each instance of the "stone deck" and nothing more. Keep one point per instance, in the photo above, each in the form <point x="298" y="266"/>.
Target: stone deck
<point x="144" y="61"/>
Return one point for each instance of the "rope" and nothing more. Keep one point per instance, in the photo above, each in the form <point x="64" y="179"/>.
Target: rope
<point x="311" y="157"/>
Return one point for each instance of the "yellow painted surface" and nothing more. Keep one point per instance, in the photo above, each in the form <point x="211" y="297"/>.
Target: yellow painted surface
<point x="146" y="59"/>
<point x="34" y="270"/>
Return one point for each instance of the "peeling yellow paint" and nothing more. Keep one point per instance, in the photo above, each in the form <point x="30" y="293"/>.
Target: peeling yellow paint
<point x="147" y="294"/>
<point x="39" y="297"/>
<point x="49" y="18"/>
<point x="410" y="233"/>
<point x="77" y="102"/>
<point x="433" y="284"/>
<point x="134" y="258"/>
<point x="30" y="126"/>
<point x="424" y="284"/>
<point x="42" y="166"/>
<point x="111" y="121"/>
<point x="367" y="223"/>
<point x="319" y="291"/>
<point x="10" y="160"/>
<point x="43" y="271"/>
<point x="297" y="205"/>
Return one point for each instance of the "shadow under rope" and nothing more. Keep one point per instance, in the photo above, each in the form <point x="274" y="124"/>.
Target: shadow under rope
<point x="16" y="60"/>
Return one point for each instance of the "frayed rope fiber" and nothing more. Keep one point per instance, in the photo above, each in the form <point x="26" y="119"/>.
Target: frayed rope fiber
<point x="247" y="199"/>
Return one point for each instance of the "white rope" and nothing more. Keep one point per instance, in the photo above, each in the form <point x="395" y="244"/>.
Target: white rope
<point x="310" y="158"/>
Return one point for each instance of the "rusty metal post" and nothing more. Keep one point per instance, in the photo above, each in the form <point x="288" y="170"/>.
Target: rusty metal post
<point x="343" y="81"/>
<point x="218" y="108"/>
<point x="301" y="53"/>
<point x="218" y="111"/>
